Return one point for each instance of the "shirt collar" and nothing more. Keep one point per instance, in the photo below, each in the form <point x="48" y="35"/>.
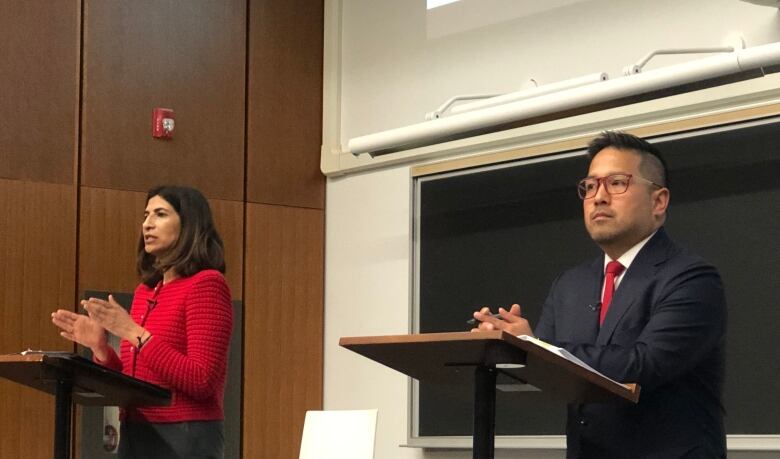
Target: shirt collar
<point x="627" y="258"/>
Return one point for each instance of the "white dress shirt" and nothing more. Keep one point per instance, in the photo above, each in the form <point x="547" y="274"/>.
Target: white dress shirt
<point x="626" y="259"/>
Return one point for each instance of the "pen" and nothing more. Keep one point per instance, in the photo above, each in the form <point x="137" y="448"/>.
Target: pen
<point x="473" y="321"/>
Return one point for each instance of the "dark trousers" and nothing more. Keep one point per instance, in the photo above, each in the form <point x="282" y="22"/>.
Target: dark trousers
<point x="180" y="440"/>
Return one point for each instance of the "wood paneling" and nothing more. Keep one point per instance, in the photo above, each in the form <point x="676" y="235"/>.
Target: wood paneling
<point x="110" y="228"/>
<point x="37" y="249"/>
<point x="229" y="219"/>
<point x="284" y="325"/>
<point x="189" y="56"/>
<point x="284" y="115"/>
<point x="110" y="225"/>
<point x="39" y="89"/>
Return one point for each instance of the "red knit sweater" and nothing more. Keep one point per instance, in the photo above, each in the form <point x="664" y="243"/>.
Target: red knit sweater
<point x="190" y="326"/>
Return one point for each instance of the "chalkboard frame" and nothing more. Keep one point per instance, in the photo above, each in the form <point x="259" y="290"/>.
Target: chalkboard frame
<point x="741" y="441"/>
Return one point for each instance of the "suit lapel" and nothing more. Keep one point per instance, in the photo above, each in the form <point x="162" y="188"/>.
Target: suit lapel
<point x="634" y="282"/>
<point x="586" y="316"/>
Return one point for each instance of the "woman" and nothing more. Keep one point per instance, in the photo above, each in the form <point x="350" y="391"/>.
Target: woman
<point x="177" y="332"/>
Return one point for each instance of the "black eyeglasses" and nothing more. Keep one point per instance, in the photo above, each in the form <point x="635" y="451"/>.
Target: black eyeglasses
<point x="614" y="184"/>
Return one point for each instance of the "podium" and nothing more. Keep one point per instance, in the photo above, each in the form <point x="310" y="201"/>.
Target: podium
<point x="458" y="358"/>
<point x="74" y="379"/>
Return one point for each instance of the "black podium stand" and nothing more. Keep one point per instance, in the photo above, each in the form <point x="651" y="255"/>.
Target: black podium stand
<point x="448" y="358"/>
<point x="74" y="379"/>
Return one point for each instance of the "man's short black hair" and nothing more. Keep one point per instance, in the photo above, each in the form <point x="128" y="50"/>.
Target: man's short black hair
<point x="652" y="164"/>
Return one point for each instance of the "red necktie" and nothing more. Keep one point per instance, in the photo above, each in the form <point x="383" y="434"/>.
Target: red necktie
<point x="614" y="268"/>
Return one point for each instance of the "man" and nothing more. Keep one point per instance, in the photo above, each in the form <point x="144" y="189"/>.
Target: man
<point x="657" y="319"/>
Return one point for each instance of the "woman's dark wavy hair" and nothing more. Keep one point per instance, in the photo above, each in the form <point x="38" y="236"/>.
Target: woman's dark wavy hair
<point x="198" y="246"/>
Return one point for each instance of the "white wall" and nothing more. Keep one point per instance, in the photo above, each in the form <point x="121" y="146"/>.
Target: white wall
<point x="391" y="74"/>
<point x="366" y="294"/>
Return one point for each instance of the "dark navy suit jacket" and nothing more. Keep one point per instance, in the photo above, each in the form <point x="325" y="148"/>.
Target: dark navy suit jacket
<point x="664" y="330"/>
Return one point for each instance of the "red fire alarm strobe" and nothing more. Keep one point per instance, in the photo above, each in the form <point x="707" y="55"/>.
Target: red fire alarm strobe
<point x="162" y="123"/>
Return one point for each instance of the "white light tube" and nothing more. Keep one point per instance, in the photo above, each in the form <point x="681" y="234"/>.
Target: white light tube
<point x="440" y="130"/>
<point x="531" y="92"/>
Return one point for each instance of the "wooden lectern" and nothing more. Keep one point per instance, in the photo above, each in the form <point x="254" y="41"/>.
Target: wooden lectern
<point x="74" y="379"/>
<point x="448" y="358"/>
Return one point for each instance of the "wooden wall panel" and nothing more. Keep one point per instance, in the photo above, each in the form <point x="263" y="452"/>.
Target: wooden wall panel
<point x="109" y="232"/>
<point x="39" y="89"/>
<point x="110" y="225"/>
<point x="189" y="56"/>
<point x="37" y="249"/>
<point x="283" y="325"/>
<point x="229" y="219"/>
<point x="284" y="117"/>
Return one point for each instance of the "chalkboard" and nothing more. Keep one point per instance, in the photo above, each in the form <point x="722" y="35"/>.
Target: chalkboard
<point x="496" y="235"/>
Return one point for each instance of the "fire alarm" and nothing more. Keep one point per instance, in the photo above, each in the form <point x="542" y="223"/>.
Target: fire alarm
<point x="162" y="123"/>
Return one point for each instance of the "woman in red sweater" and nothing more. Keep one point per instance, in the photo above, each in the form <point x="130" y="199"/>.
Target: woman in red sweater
<point x="177" y="332"/>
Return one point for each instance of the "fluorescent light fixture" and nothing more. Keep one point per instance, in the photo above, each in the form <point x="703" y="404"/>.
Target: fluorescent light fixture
<point x="772" y="3"/>
<point x="437" y="3"/>
<point x="470" y="15"/>
<point x="688" y="76"/>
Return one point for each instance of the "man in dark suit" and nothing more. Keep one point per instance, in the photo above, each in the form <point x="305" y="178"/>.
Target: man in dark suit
<point x="647" y="312"/>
